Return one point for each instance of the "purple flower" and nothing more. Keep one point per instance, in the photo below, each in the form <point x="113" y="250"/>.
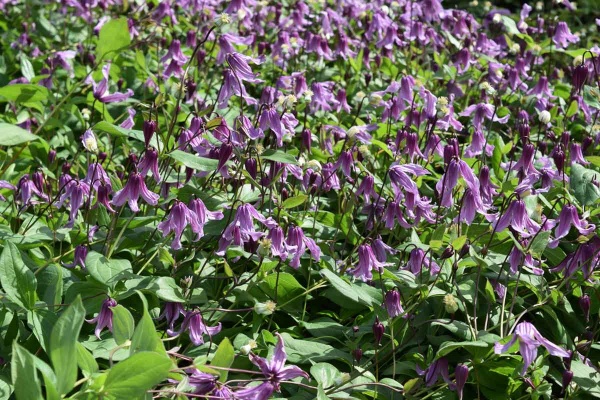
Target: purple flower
<point x="79" y="257"/>
<point x="569" y="217"/>
<point x="433" y="372"/>
<point x="6" y="185"/>
<point x="378" y="331"/>
<point x="529" y="340"/>
<point x="203" y="214"/>
<point x="366" y="262"/>
<point x="101" y="89"/>
<point x="275" y="369"/>
<point x="417" y="260"/>
<point x="241" y="229"/>
<point x="461" y="373"/>
<point x="563" y="36"/>
<point x="179" y="217"/>
<point x="172" y="312"/>
<point x="239" y="64"/>
<point x="259" y="392"/>
<point x="132" y="191"/>
<point x="174" y="53"/>
<point x="149" y="162"/>
<point x="194" y="324"/>
<point x="77" y="192"/>
<point x="269" y="118"/>
<point x="104" y="319"/>
<point x="296" y="239"/>
<point x="103" y="191"/>
<point x="129" y="122"/>
<point x="392" y="303"/>
<point x="483" y="111"/>
<point x="202" y="382"/>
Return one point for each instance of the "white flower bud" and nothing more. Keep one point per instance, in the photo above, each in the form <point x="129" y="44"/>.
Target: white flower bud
<point x="545" y="117"/>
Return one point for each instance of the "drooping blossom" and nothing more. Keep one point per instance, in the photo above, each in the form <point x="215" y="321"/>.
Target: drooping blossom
<point x="179" y="217"/>
<point x="461" y="373"/>
<point x="241" y="229"/>
<point x="530" y="339"/>
<point x="419" y="260"/>
<point x="101" y="92"/>
<point x="563" y="36"/>
<point x="171" y="313"/>
<point x="149" y="162"/>
<point x="134" y="188"/>
<point x="79" y="256"/>
<point x="104" y="319"/>
<point x="194" y="324"/>
<point x="392" y="303"/>
<point x="77" y="192"/>
<point x="570" y="217"/>
<point x="433" y="372"/>
<point x="366" y="263"/>
<point x="89" y="141"/>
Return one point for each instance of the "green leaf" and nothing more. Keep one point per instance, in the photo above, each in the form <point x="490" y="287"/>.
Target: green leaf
<point x="106" y="271"/>
<point x="132" y="377"/>
<point x="17" y="280"/>
<point x="279" y="156"/>
<point x="24" y="375"/>
<point x="12" y="135"/>
<point x="582" y="184"/>
<point x="117" y="131"/>
<point x="324" y="373"/>
<point x="510" y="25"/>
<point x="286" y="285"/>
<point x="539" y="244"/>
<point x="24" y="93"/>
<point x="586" y="377"/>
<point x="350" y="291"/>
<point x="50" y="285"/>
<point x="294" y="201"/>
<point x="113" y="37"/>
<point x="223" y="358"/>
<point x="194" y="162"/>
<point x="63" y="345"/>
<point x="86" y="361"/>
<point x="123" y="324"/>
<point x="163" y="287"/>
<point x="448" y="347"/>
<point x="303" y="351"/>
<point x="145" y="337"/>
<point x="27" y="68"/>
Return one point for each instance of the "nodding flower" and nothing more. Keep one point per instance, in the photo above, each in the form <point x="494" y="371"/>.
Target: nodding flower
<point x="366" y="263"/>
<point x="530" y="339"/>
<point x="179" y="217"/>
<point x="100" y="90"/>
<point x="104" y="319"/>
<point x="392" y="303"/>
<point x="563" y="36"/>
<point x="132" y="191"/>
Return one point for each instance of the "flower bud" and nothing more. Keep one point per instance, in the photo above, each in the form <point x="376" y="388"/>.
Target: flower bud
<point x="461" y="373"/>
<point x="450" y="304"/>
<point x="392" y="303"/>
<point x="448" y="252"/>
<point x="51" y="156"/>
<point x="545" y="117"/>
<point x="378" y="330"/>
<point x="580" y="76"/>
<point x="357" y="353"/>
<point x="266" y="308"/>
<point x="149" y="128"/>
<point x="566" y="379"/>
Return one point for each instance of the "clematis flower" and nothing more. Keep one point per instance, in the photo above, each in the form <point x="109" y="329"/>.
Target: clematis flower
<point x="569" y="217"/>
<point x="461" y="373"/>
<point x="100" y="89"/>
<point x="172" y="312"/>
<point x="81" y="252"/>
<point x="104" y="319"/>
<point x="366" y="263"/>
<point x="275" y="369"/>
<point x="432" y="373"/>
<point x="482" y="111"/>
<point x="77" y="192"/>
<point x="241" y="229"/>
<point x="179" y="217"/>
<point x="299" y="243"/>
<point x="517" y="217"/>
<point x="6" y="185"/>
<point x="149" y="162"/>
<point x="194" y="324"/>
<point x="529" y="340"/>
<point x="417" y="260"/>
<point x="392" y="303"/>
<point x="132" y="191"/>
<point x="563" y="36"/>
<point x="89" y="141"/>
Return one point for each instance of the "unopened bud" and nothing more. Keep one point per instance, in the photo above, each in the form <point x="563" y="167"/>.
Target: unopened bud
<point x="378" y="330"/>
<point x="450" y="304"/>
<point x="545" y="117"/>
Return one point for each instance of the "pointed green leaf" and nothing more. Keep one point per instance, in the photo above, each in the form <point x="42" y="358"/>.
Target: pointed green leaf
<point x="223" y="358"/>
<point x="17" y="280"/>
<point x="132" y="377"/>
<point x="113" y="37"/>
<point x="123" y="324"/>
<point x="24" y="375"/>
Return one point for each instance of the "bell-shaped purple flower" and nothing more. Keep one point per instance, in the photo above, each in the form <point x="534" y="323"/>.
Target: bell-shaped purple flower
<point x="432" y="373"/>
<point x="172" y="312"/>
<point x="299" y="243"/>
<point x="529" y="340"/>
<point x="194" y="324"/>
<point x="179" y="217"/>
<point x="418" y="259"/>
<point x="461" y="373"/>
<point x="570" y="217"/>
<point x="392" y="303"/>
<point x="132" y="191"/>
<point x="203" y="214"/>
<point x="104" y="319"/>
<point x="80" y="254"/>
<point x="149" y="162"/>
<point x="242" y="227"/>
<point x="563" y="36"/>
<point x="366" y="263"/>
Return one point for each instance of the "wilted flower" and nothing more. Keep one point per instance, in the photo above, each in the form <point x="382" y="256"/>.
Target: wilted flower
<point x="529" y="340"/>
<point x="104" y="319"/>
